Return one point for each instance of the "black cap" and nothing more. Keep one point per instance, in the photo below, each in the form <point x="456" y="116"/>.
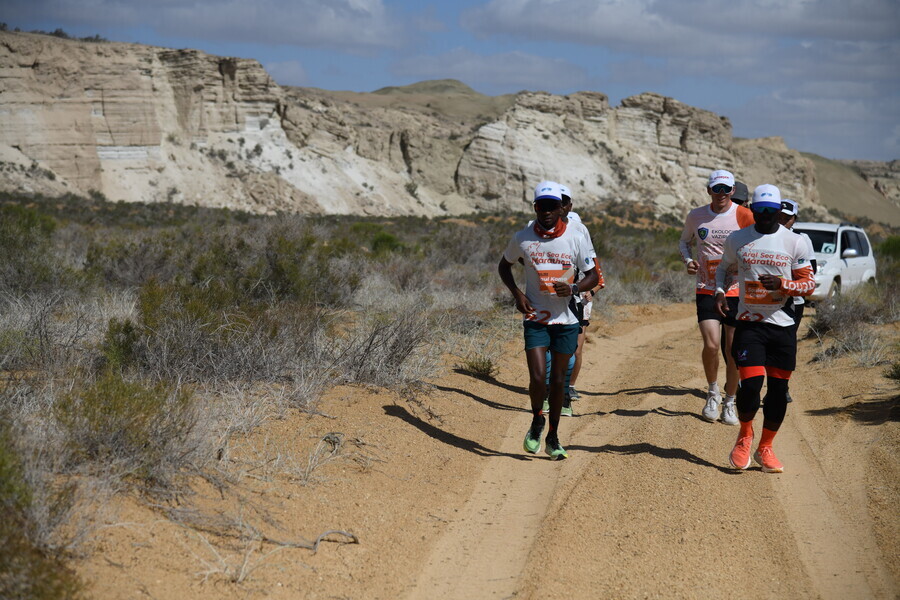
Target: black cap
<point x="741" y="193"/>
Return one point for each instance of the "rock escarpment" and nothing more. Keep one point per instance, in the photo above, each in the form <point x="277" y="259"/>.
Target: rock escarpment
<point x="140" y="123"/>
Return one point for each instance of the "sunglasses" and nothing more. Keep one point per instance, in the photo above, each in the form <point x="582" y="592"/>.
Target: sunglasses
<point x="721" y="188"/>
<point x="765" y="210"/>
<point x="546" y="205"/>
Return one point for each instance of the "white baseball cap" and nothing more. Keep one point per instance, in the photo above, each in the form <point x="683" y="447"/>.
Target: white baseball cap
<point x="766" y="195"/>
<point x="789" y="207"/>
<point x="721" y="177"/>
<point x="565" y="191"/>
<point x="548" y="189"/>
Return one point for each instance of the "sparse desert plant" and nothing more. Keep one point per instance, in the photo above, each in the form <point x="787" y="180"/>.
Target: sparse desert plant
<point x="479" y="365"/>
<point x="146" y="429"/>
<point x="893" y="371"/>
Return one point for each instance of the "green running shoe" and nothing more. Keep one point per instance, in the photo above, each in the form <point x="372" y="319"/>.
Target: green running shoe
<point x="546" y="409"/>
<point x="533" y="437"/>
<point x="555" y="450"/>
<point x="566" y="407"/>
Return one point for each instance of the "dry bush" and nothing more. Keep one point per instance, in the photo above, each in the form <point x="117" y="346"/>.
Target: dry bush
<point x="392" y="350"/>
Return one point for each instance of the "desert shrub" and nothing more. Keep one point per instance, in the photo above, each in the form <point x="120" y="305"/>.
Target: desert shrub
<point x="143" y="428"/>
<point x="27" y="569"/>
<point x="479" y="365"/>
<point x="866" y="304"/>
<point x="384" y="243"/>
<point x="25" y="261"/>
<point x="390" y="351"/>
<point x="893" y="371"/>
<point x="46" y="333"/>
<point x="119" y="348"/>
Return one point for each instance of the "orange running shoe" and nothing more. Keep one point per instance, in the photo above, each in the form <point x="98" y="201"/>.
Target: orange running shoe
<point x="740" y="454"/>
<point x="765" y="457"/>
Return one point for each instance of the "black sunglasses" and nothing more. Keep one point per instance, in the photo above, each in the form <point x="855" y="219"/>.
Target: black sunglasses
<point x="546" y="205"/>
<point x="765" y="210"/>
<point x="721" y="188"/>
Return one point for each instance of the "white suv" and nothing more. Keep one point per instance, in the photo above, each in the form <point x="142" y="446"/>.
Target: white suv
<point x="843" y="256"/>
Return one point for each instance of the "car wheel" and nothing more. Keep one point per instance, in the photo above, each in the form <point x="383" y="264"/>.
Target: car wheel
<point x="833" y="292"/>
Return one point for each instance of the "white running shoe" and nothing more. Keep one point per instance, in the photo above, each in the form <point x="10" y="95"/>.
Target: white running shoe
<point x="711" y="410"/>
<point x="729" y="413"/>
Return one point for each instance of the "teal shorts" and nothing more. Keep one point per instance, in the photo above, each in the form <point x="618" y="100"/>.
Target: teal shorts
<point x="562" y="339"/>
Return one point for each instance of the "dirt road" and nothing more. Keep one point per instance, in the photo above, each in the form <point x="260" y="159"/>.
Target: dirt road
<point x="646" y="506"/>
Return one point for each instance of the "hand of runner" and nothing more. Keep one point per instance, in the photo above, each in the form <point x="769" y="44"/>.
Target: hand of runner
<point x="721" y="305"/>
<point x="770" y="282"/>
<point x="562" y="288"/>
<point x="692" y="267"/>
<point x="523" y="305"/>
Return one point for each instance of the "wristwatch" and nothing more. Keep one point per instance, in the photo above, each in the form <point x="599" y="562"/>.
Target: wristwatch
<point x="575" y="289"/>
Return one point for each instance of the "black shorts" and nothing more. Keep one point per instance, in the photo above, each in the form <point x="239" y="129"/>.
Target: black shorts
<point x="764" y="345"/>
<point x="706" y="309"/>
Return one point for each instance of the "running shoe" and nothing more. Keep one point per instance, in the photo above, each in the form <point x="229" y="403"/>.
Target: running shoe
<point x="740" y="454"/>
<point x="729" y="413"/>
<point x="573" y="393"/>
<point x="566" y="407"/>
<point x="767" y="460"/>
<point x="533" y="437"/>
<point x="554" y="449"/>
<point x="788" y="396"/>
<point x="546" y="408"/>
<point x="711" y="410"/>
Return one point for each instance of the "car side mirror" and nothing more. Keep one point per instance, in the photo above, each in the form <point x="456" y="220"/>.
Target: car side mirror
<point x="849" y="253"/>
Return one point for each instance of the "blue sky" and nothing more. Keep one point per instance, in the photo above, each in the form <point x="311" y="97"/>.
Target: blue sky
<point x="823" y="74"/>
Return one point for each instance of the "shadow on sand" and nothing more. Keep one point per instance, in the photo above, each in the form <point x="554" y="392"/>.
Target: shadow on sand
<point x="645" y="448"/>
<point x="444" y="436"/>
<point x="869" y="412"/>
<point x="480" y="400"/>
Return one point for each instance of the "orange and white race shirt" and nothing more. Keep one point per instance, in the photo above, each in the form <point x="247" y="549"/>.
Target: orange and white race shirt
<point x="706" y="231"/>
<point x="547" y="261"/>
<point x="783" y="253"/>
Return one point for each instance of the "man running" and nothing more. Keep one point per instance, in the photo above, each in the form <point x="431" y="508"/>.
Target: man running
<point x="550" y="252"/>
<point x="584" y="302"/>
<point x="787" y="217"/>
<point x="772" y="268"/>
<point x="706" y="228"/>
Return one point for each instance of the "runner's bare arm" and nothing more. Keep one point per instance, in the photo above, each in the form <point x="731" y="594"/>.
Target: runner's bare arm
<point x="684" y="247"/>
<point x="504" y="269"/>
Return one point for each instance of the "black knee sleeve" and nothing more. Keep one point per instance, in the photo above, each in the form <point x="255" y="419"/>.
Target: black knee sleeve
<point x="747" y="400"/>
<point x="776" y="402"/>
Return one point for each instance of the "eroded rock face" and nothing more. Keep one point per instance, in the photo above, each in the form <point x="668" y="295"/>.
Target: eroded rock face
<point x="883" y="176"/>
<point x="140" y="123"/>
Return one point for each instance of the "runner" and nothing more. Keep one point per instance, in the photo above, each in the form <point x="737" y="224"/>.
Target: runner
<point x="772" y="267"/>
<point x="706" y="228"/>
<point x="787" y="217"/>
<point x="741" y="193"/>
<point x="584" y="302"/>
<point x="550" y="251"/>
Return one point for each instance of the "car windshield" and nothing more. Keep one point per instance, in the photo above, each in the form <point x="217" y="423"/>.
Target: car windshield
<point x="824" y="242"/>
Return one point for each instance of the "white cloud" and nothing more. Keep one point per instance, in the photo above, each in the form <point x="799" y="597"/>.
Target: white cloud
<point x="494" y="73"/>
<point x="289" y="72"/>
<point x="348" y="25"/>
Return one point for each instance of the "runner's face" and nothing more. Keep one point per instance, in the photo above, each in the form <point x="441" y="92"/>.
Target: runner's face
<point x="548" y="212"/>
<point x="766" y="220"/>
<point x="719" y="200"/>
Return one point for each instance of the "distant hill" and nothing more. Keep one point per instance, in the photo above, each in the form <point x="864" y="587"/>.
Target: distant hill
<point x="843" y="187"/>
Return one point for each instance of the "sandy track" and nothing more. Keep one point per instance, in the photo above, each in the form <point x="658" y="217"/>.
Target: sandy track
<point x="646" y="506"/>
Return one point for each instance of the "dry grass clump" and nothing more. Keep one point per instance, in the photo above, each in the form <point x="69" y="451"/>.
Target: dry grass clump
<point x="849" y="324"/>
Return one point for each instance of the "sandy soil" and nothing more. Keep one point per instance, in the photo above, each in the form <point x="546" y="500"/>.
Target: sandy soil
<point x="446" y="504"/>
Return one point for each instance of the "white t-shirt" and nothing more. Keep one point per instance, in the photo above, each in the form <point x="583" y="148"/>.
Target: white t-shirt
<point x="783" y="253"/>
<point x="546" y="261"/>
<point x="812" y="254"/>
<point x="707" y="230"/>
<point x="573" y="216"/>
